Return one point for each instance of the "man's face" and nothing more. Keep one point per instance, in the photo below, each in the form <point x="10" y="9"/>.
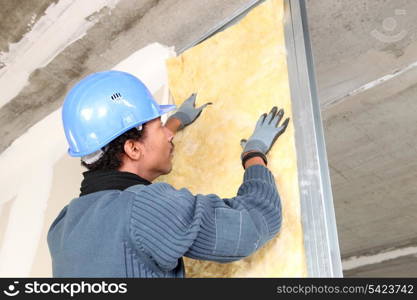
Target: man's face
<point x="158" y="147"/>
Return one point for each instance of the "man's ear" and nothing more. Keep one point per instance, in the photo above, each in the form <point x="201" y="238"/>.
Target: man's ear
<point x="133" y="149"/>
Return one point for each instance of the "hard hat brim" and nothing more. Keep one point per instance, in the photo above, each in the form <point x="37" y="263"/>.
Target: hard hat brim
<point x="166" y="108"/>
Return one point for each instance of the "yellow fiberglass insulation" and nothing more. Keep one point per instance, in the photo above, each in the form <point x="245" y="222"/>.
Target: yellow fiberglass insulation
<point x="243" y="71"/>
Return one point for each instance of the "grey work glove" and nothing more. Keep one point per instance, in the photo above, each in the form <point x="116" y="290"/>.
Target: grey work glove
<point x="266" y="132"/>
<point x="187" y="113"/>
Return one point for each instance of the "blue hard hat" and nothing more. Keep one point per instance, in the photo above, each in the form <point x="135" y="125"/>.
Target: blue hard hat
<point x="104" y="105"/>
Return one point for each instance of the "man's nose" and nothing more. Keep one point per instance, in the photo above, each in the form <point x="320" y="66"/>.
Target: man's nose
<point x="169" y="134"/>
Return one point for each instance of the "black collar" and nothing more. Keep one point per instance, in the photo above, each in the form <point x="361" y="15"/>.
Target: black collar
<point x="95" y="181"/>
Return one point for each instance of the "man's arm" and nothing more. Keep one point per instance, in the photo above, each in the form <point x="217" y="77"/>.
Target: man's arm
<point x="167" y="223"/>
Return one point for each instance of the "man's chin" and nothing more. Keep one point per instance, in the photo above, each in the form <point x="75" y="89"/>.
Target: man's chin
<point x="168" y="170"/>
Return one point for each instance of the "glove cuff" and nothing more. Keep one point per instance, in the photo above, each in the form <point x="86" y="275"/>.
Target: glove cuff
<point x="254" y="154"/>
<point x="255" y="145"/>
<point x="184" y="119"/>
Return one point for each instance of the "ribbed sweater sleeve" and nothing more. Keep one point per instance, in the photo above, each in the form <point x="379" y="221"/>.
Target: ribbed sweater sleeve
<point x="167" y="223"/>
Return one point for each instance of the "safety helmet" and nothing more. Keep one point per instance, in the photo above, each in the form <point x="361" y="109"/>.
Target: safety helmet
<point x="103" y="106"/>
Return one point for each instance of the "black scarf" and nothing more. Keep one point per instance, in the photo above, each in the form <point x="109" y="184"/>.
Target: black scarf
<point x="95" y="181"/>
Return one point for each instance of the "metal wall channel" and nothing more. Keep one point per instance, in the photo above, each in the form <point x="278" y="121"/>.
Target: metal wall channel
<point x="317" y="211"/>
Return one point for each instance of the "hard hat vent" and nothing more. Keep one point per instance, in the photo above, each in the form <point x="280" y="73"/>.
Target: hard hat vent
<point x="116" y="96"/>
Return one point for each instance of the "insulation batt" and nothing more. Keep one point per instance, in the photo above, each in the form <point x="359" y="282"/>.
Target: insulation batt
<point x="243" y="71"/>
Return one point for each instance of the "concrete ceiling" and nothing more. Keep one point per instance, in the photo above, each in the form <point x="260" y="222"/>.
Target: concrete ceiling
<point x="365" y="54"/>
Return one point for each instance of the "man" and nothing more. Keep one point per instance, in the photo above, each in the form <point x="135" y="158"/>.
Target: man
<point x="122" y="225"/>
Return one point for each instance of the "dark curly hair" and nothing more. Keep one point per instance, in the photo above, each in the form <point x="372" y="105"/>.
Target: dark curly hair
<point x="111" y="160"/>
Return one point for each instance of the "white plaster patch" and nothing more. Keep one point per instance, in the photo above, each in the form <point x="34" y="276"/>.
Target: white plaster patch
<point x="62" y="24"/>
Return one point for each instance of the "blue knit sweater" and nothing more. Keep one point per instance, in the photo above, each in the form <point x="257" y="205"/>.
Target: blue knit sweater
<point x="145" y="230"/>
